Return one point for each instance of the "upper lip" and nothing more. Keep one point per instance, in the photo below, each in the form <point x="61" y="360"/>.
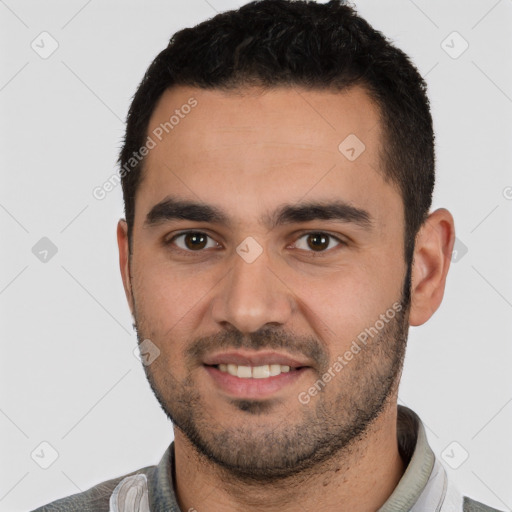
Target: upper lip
<point x="253" y="359"/>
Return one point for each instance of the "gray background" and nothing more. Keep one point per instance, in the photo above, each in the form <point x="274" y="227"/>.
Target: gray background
<point x="68" y="374"/>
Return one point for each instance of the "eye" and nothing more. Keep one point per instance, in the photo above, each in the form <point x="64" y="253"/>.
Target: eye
<point x="193" y="241"/>
<point x="317" y="242"/>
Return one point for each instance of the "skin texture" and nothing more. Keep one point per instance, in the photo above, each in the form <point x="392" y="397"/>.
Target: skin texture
<point x="248" y="153"/>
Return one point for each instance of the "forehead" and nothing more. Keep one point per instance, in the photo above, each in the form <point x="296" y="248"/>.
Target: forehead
<point x="263" y="147"/>
<point x="286" y="115"/>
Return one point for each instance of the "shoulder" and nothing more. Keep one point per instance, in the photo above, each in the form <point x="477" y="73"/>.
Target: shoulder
<point x="95" y="499"/>
<point x="475" y="506"/>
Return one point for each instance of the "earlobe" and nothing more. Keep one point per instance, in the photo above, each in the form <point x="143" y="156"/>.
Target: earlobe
<point x="124" y="259"/>
<point x="432" y="257"/>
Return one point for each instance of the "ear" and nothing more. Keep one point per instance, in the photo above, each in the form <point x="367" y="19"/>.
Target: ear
<point x="432" y="257"/>
<point x="124" y="260"/>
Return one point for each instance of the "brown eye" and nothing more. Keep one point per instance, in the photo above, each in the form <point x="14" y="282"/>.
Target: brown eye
<point x="193" y="241"/>
<point x="318" y="241"/>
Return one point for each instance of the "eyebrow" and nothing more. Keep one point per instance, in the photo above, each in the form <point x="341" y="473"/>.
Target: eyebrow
<point x="328" y="210"/>
<point x="176" y="209"/>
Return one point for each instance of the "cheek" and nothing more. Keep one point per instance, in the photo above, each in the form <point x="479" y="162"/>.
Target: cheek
<point x="341" y="305"/>
<point x="169" y="299"/>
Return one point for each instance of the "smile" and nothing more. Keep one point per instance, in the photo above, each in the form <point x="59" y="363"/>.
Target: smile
<point x="254" y="372"/>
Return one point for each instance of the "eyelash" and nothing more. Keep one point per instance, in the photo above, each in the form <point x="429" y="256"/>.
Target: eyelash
<point x="190" y="252"/>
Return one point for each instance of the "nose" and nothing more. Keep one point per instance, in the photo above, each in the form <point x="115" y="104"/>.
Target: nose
<point x="252" y="297"/>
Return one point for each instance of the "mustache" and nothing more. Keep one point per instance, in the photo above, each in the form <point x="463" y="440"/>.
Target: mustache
<point x="267" y="338"/>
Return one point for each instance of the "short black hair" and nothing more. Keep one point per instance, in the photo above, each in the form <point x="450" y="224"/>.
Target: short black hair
<point x="274" y="43"/>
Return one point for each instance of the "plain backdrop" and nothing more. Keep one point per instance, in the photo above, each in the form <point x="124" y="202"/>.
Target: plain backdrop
<point x="68" y="375"/>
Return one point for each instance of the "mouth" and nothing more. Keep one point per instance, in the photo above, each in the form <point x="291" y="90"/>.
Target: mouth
<point x="254" y="375"/>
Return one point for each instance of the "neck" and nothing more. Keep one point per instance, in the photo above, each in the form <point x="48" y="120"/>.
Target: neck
<point x="361" y="478"/>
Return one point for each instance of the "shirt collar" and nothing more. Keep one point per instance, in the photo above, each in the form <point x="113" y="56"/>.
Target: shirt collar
<point x="414" y="447"/>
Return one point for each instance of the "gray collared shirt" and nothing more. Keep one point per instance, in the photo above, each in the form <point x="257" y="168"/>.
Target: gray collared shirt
<point x="424" y="487"/>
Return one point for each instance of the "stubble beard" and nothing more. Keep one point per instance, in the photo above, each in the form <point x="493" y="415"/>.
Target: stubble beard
<point x="329" y="425"/>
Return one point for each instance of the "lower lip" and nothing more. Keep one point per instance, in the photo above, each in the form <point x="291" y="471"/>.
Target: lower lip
<point x="253" y="388"/>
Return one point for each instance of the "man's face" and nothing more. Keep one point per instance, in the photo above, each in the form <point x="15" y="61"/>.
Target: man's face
<point x="259" y="244"/>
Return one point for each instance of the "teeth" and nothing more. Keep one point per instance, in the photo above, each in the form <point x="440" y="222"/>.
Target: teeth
<point x="260" y="372"/>
<point x="275" y="369"/>
<point x="255" y="372"/>
<point x="244" y="372"/>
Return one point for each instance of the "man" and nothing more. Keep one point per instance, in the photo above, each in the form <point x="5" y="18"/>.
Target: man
<point x="277" y="172"/>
